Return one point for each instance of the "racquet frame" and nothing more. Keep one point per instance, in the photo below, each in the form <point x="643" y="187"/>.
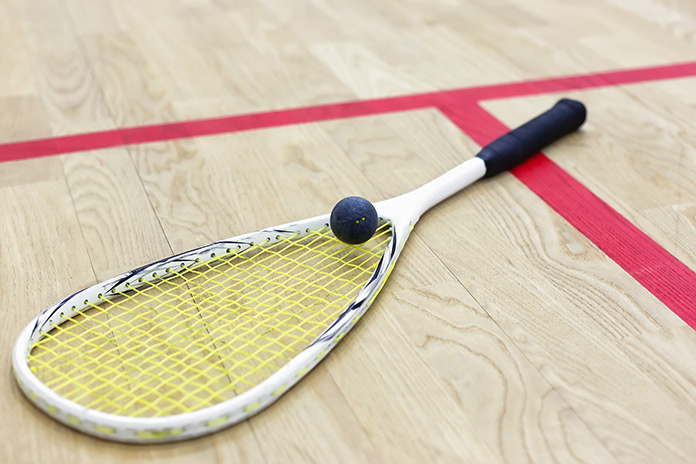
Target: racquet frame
<point x="401" y="212"/>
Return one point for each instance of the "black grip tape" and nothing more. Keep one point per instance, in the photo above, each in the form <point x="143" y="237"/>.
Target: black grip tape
<point x="511" y="149"/>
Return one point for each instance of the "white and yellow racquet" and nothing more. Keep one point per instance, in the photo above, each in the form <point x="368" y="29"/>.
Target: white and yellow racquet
<point x="202" y="340"/>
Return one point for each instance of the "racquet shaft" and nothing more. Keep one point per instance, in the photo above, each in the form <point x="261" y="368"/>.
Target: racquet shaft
<point x="502" y="154"/>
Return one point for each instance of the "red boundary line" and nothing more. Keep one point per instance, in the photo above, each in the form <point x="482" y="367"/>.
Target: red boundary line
<point x="663" y="275"/>
<point x="229" y="124"/>
<point x="667" y="278"/>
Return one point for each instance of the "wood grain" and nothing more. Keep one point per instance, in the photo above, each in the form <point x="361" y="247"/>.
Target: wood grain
<point x="105" y="190"/>
<point x="503" y="335"/>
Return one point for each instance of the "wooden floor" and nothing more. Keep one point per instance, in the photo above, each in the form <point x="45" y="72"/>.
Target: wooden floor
<point x="504" y="334"/>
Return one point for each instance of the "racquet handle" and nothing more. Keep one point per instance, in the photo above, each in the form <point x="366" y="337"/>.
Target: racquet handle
<point x="511" y="149"/>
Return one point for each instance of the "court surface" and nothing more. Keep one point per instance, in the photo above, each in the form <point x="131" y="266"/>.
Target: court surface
<point x="544" y="315"/>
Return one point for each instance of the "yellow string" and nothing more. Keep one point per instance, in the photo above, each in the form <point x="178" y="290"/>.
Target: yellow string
<point x="202" y="334"/>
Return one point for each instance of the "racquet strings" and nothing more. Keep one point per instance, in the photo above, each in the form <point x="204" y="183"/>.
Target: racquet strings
<point x="204" y="333"/>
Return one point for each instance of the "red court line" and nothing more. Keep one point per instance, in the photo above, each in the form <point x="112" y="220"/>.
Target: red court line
<point x="229" y="124"/>
<point x="659" y="272"/>
<point x="663" y="275"/>
<point x="584" y="81"/>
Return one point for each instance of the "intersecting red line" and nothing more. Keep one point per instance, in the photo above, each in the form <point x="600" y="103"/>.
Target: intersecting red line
<point x="668" y="279"/>
<point x="245" y="122"/>
<point x="658" y="271"/>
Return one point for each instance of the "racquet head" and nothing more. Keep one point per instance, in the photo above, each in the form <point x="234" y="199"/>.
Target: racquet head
<point x="201" y="340"/>
<point x="204" y="339"/>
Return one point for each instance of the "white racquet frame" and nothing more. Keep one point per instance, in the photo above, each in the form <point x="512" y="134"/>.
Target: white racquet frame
<point x="402" y="212"/>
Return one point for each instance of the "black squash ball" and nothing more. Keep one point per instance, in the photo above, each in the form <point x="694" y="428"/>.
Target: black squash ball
<point x="354" y="220"/>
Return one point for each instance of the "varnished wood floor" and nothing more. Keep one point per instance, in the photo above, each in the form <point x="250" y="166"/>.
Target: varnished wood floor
<point x="503" y="335"/>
